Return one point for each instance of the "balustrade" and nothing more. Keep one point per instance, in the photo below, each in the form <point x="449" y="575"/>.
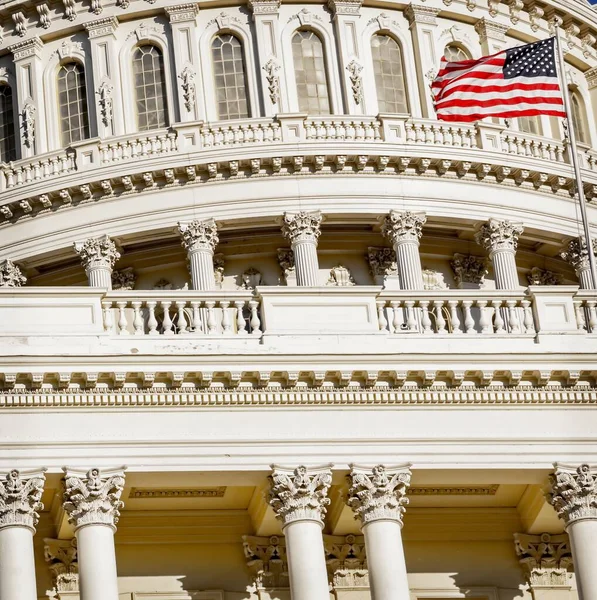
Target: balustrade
<point x="523" y="144"/>
<point x="585" y="308"/>
<point x="419" y="131"/>
<point x="233" y="133"/>
<point x="138" y="146"/>
<point x="337" y="128"/>
<point x="44" y="166"/>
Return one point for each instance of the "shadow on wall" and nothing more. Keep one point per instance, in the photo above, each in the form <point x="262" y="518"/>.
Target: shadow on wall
<point x="489" y="593"/>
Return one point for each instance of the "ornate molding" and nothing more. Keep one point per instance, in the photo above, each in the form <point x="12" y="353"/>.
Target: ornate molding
<point x="340" y="276"/>
<point x="97" y="253"/>
<point x="181" y="13"/>
<point x="271" y="68"/>
<point x="591" y="77"/>
<point x="267" y="561"/>
<point x="93" y="497"/>
<point x="187" y="76"/>
<point x="378" y="493"/>
<point x="104" y="93"/>
<point x="577" y="253"/>
<point x="20" y="498"/>
<point x="490" y="30"/>
<point x="433" y="280"/>
<point x="101" y="27"/>
<point x="416" y="13"/>
<point x="345" y="7"/>
<point x="61" y="556"/>
<point x="403" y="227"/>
<point x="286" y="262"/>
<point x="499" y="236"/>
<point x="302" y="226"/>
<point x="574" y="492"/>
<point x="354" y="69"/>
<point x="157" y="493"/>
<point x="11" y="275"/>
<point x="300" y="494"/>
<point x="264" y="7"/>
<point x="28" y="123"/>
<point x="199" y="235"/>
<point x="346" y="561"/>
<point x="26" y="49"/>
<point x="539" y="276"/>
<point x="545" y="559"/>
<point x="469" y="490"/>
<point x="124" y="279"/>
<point x="382" y="261"/>
<point x="469" y="269"/>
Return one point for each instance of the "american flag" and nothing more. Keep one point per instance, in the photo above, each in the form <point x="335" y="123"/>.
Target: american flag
<point x="518" y="82"/>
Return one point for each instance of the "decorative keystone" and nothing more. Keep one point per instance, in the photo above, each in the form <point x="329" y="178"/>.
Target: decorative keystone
<point x="469" y="269"/>
<point x="20" y="498"/>
<point x="61" y="556"/>
<point x="300" y="494"/>
<point x="302" y="226"/>
<point x="403" y="227"/>
<point x="97" y="253"/>
<point x="378" y="494"/>
<point x="574" y="492"/>
<point x="499" y="236"/>
<point x="545" y="559"/>
<point x="577" y="253"/>
<point x="93" y="498"/>
<point x="11" y="275"/>
<point x="199" y="235"/>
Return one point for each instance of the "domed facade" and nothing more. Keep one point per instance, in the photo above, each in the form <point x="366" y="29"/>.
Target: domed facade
<point x="269" y="329"/>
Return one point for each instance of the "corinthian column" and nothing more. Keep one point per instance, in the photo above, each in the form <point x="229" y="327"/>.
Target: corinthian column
<point x="574" y="496"/>
<point x="302" y="230"/>
<point x="92" y="502"/>
<point x="200" y="238"/>
<point x="378" y="498"/>
<point x="20" y="495"/>
<point x="299" y="499"/>
<point x="404" y="230"/>
<point x="500" y="239"/>
<point x="577" y="254"/>
<point x="98" y="256"/>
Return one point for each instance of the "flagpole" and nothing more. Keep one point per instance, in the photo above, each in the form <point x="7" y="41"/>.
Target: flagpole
<point x="574" y="152"/>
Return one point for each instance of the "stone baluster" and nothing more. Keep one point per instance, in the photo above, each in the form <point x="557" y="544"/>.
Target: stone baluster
<point x="378" y="498"/>
<point x="404" y="230"/>
<point x="577" y="255"/>
<point x="20" y="504"/>
<point x="574" y="496"/>
<point x="200" y="238"/>
<point x="11" y="275"/>
<point x="61" y="556"/>
<point x="299" y="499"/>
<point x="92" y="502"/>
<point x="302" y="230"/>
<point x="98" y="256"/>
<point x="500" y="239"/>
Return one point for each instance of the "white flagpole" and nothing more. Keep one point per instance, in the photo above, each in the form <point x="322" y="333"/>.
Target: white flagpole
<point x="574" y="155"/>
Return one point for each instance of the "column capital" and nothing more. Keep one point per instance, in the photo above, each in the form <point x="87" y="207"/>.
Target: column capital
<point x="497" y="236"/>
<point x="346" y="560"/>
<point x="20" y="498"/>
<point x="11" y="275"/>
<point x="591" y="76"/>
<point x="97" y="253"/>
<point x="577" y="253"/>
<point x="26" y="49"/>
<point x="300" y="494"/>
<point x="544" y="558"/>
<point x="378" y="494"/>
<point x="101" y="27"/>
<point x="469" y="269"/>
<point x="489" y="30"/>
<point x="345" y="7"/>
<point x="415" y="13"/>
<point x="264" y="7"/>
<point x="182" y="12"/>
<point x="61" y="556"/>
<point x="199" y="235"/>
<point x="574" y="492"/>
<point x="93" y="497"/>
<point x="267" y="560"/>
<point x="302" y="226"/>
<point x="401" y="227"/>
<point x="382" y="261"/>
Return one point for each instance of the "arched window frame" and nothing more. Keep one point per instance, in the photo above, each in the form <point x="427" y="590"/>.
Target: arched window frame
<point x="243" y="33"/>
<point x="330" y="56"/>
<point x="585" y="101"/>
<point x="387" y="27"/>
<point x="140" y="37"/>
<point x="457" y="44"/>
<point x="7" y="78"/>
<point x="66" y="53"/>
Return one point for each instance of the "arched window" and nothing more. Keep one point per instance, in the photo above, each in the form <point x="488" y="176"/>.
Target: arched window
<point x="310" y="73"/>
<point x="229" y="77"/>
<point x="7" y="125"/>
<point x="579" y="117"/>
<point x="150" y="88"/>
<point x="389" y="74"/>
<point x="72" y="103"/>
<point x="455" y="53"/>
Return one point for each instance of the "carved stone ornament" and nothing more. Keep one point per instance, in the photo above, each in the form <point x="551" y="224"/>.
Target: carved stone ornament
<point x="93" y="498"/>
<point x="124" y="279"/>
<point x="187" y="76"/>
<point x="97" y="253"/>
<point x="302" y="226"/>
<point x="250" y="279"/>
<point x="104" y="93"/>
<point x="345" y="7"/>
<point x="539" y="276"/>
<point x="11" y="275"/>
<point x="401" y="227"/>
<point x="28" y="120"/>
<point x="286" y="262"/>
<point x="271" y="68"/>
<point x="577" y="253"/>
<point x="199" y="235"/>
<point x="219" y="267"/>
<point x="545" y="559"/>
<point x="469" y="269"/>
<point x="433" y="280"/>
<point x="346" y="561"/>
<point x="61" y="556"/>
<point x="356" y="81"/>
<point x="20" y="498"/>
<point x="300" y="494"/>
<point x="264" y="7"/>
<point x="340" y="276"/>
<point x="574" y="492"/>
<point x="379" y="493"/>
<point x="382" y="261"/>
<point x="266" y="560"/>
<point x="163" y="284"/>
<point x="499" y="236"/>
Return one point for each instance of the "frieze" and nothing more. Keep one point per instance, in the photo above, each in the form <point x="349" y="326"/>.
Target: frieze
<point x="157" y="493"/>
<point x="101" y="27"/>
<point x="26" y="49"/>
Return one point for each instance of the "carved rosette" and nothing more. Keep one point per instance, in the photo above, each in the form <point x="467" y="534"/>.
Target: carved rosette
<point x="199" y="235"/>
<point x="577" y="253"/>
<point x="93" y="498"/>
<point x="20" y="499"/>
<point x="11" y="275"/>
<point x="267" y="561"/>
<point x="545" y="559"/>
<point x="346" y="561"/>
<point x="574" y="492"/>
<point x="406" y="227"/>
<point x="302" y="227"/>
<point x="469" y="269"/>
<point x="539" y="276"/>
<point x="61" y="556"/>
<point x="97" y="253"/>
<point x="378" y="494"/>
<point x="499" y="236"/>
<point x="300" y="494"/>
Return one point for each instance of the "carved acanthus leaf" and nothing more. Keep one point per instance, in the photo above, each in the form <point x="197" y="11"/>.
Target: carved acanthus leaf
<point x="497" y="236"/>
<point x="199" y="235"/>
<point x="97" y="253"/>
<point x="382" y="261"/>
<point x="271" y="68"/>
<point x="346" y="560"/>
<point x="266" y="559"/>
<point x="61" y="556"/>
<point x="20" y="498"/>
<point x="545" y="558"/>
<point x="354" y="69"/>
<point x="302" y="226"/>
<point x="574" y="492"/>
<point x="469" y="269"/>
<point x="577" y="253"/>
<point x="124" y="279"/>
<point x="539" y="276"/>
<point x="403" y="227"/>
<point x="11" y="275"/>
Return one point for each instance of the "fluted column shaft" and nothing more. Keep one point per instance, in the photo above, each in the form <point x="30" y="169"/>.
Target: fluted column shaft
<point x="18" y="517"/>
<point x="92" y="501"/>
<point x="504" y="269"/>
<point x="299" y="498"/>
<point x="577" y="255"/>
<point x="574" y="496"/>
<point x="404" y="230"/>
<point x="98" y="256"/>
<point x="200" y="239"/>
<point x="378" y="497"/>
<point x="302" y="229"/>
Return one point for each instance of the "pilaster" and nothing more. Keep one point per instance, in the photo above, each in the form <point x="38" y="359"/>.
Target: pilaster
<point x="302" y="230"/>
<point x="98" y="256"/>
<point x="11" y="275"/>
<point x="492" y="35"/>
<point x="200" y="238"/>
<point x="577" y="255"/>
